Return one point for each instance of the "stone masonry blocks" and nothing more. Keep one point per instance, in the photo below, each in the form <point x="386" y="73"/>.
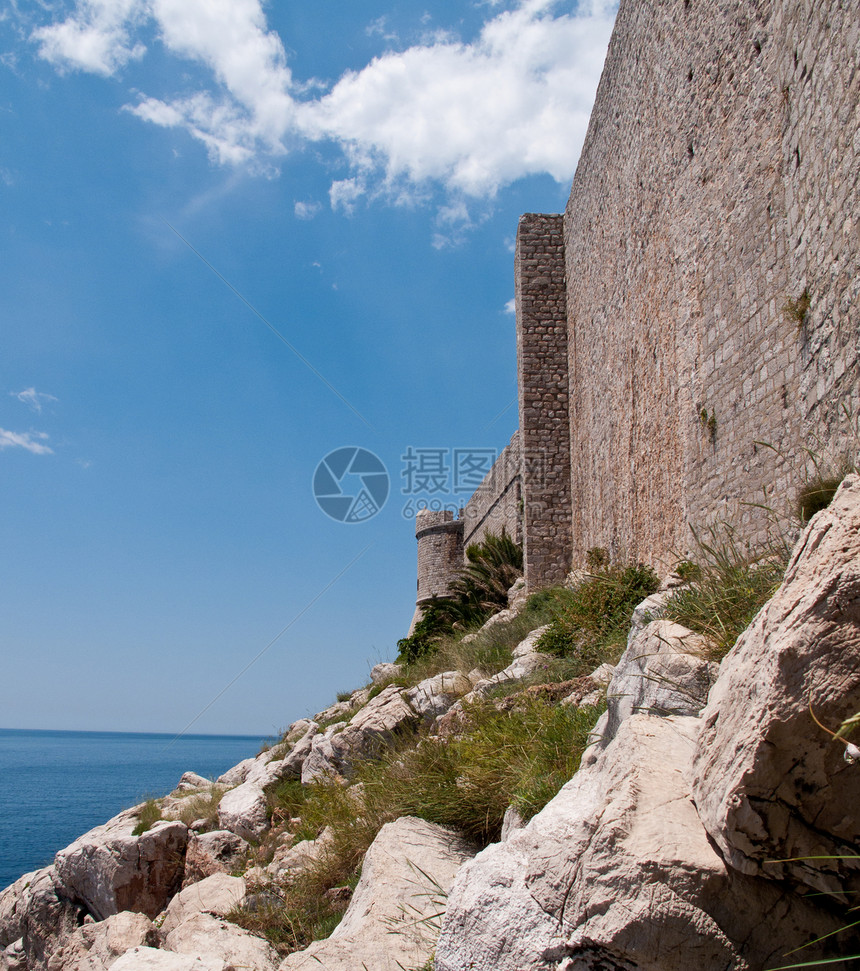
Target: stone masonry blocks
<point x="542" y="338"/>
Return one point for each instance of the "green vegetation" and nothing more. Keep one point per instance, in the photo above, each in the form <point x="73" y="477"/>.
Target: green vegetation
<point x="796" y="310"/>
<point x="150" y="813"/>
<point x="480" y="590"/>
<point x="520" y="756"/>
<point x="591" y="621"/>
<point x="727" y="589"/>
<point x="202" y="805"/>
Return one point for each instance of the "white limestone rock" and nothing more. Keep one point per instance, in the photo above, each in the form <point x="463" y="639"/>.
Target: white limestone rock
<point x="434" y="696"/>
<point x="111" y="870"/>
<point x="244" y="811"/>
<point x="768" y="782"/>
<point x="528" y="645"/>
<point x="191" y="781"/>
<point x="218" y="895"/>
<point x="389" y="923"/>
<point x="95" y="946"/>
<point x="664" y="671"/>
<point x="380" y="673"/>
<point x="219" y="851"/>
<point x="36" y="916"/>
<point x="237" y="775"/>
<point x="618" y="873"/>
<point x="333" y="750"/>
<point x="206" y="936"/>
<point x="650" y="609"/>
<point x="152" y="959"/>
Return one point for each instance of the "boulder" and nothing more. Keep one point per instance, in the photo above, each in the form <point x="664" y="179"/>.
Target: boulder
<point x="217" y="852"/>
<point x="392" y="920"/>
<point x="36" y="915"/>
<point x="618" y="873"/>
<point x="244" y="811"/>
<point x="218" y="895"/>
<point x="322" y="761"/>
<point x="518" y="595"/>
<point x="151" y="959"/>
<point x="110" y="870"/>
<point x="203" y="935"/>
<point x="528" y="645"/>
<point x="650" y="609"/>
<point x="14" y="957"/>
<point x="769" y="783"/>
<point x="289" y="860"/>
<point x="521" y="667"/>
<point x="664" y="671"/>
<point x="386" y="671"/>
<point x="333" y="750"/>
<point x="434" y="696"/>
<point x="95" y="946"/>
<point x="191" y="781"/>
<point x="237" y="775"/>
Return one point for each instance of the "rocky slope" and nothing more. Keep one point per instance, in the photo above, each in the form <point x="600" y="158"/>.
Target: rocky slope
<point x="713" y="823"/>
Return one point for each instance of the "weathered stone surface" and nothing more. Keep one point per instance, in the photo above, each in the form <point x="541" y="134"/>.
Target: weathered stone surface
<point x="237" y="775"/>
<point x="385" y="671"/>
<point x="95" y="947"/>
<point x="521" y="667"/>
<point x="617" y="872"/>
<point x="382" y="717"/>
<point x="291" y="859"/>
<point x="206" y="936"/>
<point x="13" y="957"/>
<point x="511" y="822"/>
<point x="769" y="783"/>
<point x="110" y="870"/>
<point x="37" y="911"/>
<point x="217" y="894"/>
<point x="151" y="959"/>
<point x="191" y="781"/>
<point x="664" y="671"/>
<point x="528" y="645"/>
<point x="406" y="873"/>
<point x="652" y="608"/>
<point x="322" y="761"/>
<point x="217" y="852"/>
<point x="243" y="811"/>
<point x="434" y="696"/>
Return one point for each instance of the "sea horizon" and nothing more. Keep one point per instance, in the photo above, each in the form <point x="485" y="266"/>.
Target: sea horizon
<point x="56" y="784"/>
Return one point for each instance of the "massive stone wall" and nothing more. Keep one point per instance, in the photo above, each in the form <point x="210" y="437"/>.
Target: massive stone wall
<point x="497" y="502"/>
<point x="718" y="182"/>
<point x="539" y="273"/>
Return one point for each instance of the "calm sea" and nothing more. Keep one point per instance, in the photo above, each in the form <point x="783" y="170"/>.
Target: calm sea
<point x="54" y="786"/>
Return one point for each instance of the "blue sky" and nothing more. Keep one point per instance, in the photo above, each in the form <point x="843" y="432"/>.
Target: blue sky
<point x="235" y="238"/>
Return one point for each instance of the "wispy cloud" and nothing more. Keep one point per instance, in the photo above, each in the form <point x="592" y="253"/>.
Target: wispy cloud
<point x="32" y="398"/>
<point x="306" y="210"/>
<point x="470" y="117"/>
<point x="29" y="441"/>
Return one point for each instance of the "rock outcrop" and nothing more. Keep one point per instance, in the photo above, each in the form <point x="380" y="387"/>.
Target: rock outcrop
<point x="96" y="946"/>
<point x="617" y="872"/>
<point x="109" y="869"/>
<point x="392" y="919"/>
<point x="770" y="784"/>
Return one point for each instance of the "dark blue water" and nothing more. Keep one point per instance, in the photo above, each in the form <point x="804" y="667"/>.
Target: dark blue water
<point x="54" y="786"/>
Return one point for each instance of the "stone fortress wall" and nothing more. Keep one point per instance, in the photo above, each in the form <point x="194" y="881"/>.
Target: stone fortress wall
<point x="497" y="502"/>
<point x="668" y="379"/>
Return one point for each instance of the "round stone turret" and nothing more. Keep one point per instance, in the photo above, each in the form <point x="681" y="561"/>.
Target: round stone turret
<point x="440" y="552"/>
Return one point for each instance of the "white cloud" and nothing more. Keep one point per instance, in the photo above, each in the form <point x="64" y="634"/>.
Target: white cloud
<point x="32" y="398"/>
<point x="472" y="117"/>
<point x="306" y="210"/>
<point x="511" y="306"/>
<point x="97" y="39"/>
<point x="30" y="441"/>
